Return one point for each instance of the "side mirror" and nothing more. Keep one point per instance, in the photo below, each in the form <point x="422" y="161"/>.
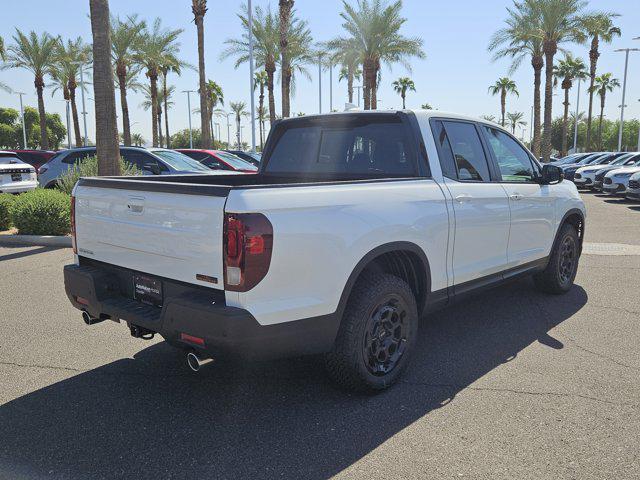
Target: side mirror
<point x="152" y="168"/>
<point x="551" y="174"/>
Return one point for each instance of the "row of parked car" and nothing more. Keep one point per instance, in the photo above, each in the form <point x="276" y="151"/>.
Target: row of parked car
<point x="613" y="173"/>
<point x="24" y="170"/>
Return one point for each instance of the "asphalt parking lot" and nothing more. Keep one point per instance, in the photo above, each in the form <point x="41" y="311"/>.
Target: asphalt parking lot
<point x="510" y="384"/>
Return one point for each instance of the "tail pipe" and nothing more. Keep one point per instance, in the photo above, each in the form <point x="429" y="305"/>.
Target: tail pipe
<point x="195" y="361"/>
<point x="89" y="320"/>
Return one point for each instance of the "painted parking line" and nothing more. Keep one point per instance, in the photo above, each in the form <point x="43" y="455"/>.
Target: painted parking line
<point x="610" y="249"/>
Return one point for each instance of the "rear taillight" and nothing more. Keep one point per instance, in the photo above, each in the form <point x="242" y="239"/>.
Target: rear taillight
<point x="73" y="224"/>
<point x="248" y="241"/>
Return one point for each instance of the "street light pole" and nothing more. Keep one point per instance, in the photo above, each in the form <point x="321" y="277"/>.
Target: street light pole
<point x="575" y="127"/>
<point x="320" y="83"/>
<point x="251" y="87"/>
<point x="228" y="130"/>
<point x="24" y="128"/>
<point x="84" y="109"/>
<point x="624" y="90"/>
<point x="189" y="92"/>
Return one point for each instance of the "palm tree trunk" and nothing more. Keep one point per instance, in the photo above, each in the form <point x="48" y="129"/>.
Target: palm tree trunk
<point x="285" y="20"/>
<point x="550" y="50"/>
<point x="565" y="123"/>
<point x="206" y="138"/>
<point x="103" y="90"/>
<point x="602" y="99"/>
<point x="153" y="78"/>
<point x="121" y="71"/>
<point x="503" y="104"/>
<point x="403" y="95"/>
<point x="593" y="60"/>
<point x="44" y="140"/>
<point x="350" y="83"/>
<point x="166" y="111"/>
<point x="74" y="115"/>
<point x="270" y="68"/>
<point x="366" y="82"/>
<point x="160" y="136"/>
<point x="374" y="86"/>
<point x="537" y="63"/>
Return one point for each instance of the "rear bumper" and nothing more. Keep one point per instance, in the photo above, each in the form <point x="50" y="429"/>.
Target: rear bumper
<point x="196" y="312"/>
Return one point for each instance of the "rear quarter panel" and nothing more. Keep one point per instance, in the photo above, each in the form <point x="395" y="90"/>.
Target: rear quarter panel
<point x="321" y="232"/>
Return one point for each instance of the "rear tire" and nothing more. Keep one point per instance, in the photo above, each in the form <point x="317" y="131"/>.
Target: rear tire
<point x="376" y="336"/>
<point x="558" y="276"/>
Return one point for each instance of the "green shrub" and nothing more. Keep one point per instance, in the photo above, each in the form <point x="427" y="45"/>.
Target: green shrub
<point x="42" y="212"/>
<point x="6" y="200"/>
<point x="89" y="168"/>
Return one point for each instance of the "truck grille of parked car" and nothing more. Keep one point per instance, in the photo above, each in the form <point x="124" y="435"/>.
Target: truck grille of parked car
<point x="608" y="181"/>
<point x="634" y="184"/>
<point x="577" y="175"/>
<point x="16" y="170"/>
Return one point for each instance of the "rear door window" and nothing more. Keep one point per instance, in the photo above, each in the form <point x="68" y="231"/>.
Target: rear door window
<point x="77" y="157"/>
<point x="462" y="153"/>
<point x="375" y="146"/>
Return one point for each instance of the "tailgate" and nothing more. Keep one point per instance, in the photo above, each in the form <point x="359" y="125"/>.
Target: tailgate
<point x="172" y="235"/>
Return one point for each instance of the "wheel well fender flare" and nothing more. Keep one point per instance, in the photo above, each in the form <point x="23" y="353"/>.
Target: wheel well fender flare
<point x="574" y="212"/>
<point x="368" y="259"/>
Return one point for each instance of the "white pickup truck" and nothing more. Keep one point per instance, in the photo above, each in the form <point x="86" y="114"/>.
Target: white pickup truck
<point x="356" y="225"/>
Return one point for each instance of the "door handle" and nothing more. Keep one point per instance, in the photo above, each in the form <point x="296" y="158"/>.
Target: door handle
<point x="515" y="196"/>
<point x="463" y="198"/>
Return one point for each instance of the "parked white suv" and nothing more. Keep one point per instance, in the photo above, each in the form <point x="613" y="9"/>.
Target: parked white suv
<point x="16" y="176"/>
<point x="633" y="190"/>
<point x="356" y="224"/>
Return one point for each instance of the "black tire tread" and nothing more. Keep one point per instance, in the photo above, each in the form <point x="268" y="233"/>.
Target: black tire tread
<point x="342" y="363"/>
<point x="547" y="281"/>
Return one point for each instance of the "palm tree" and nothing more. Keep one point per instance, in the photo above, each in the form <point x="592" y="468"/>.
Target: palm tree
<point x="3" y="53"/>
<point x="426" y="106"/>
<point x="401" y="86"/>
<point x="489" y="118"/>
<point x="374" y="28"/>
<point x="158" y="47"/>
<point x="515" y="120"/>
<point x="599" y="27"/>
<point x="519" y="40"/>
<point x="107" y="149"/>
<point x="260" y="81"/>
<point x="70" y="57"/>
<point x="125" y="38"/>
<point x="137" y="140"/>
<point x="239" y="110"/>
<point x="503" y="86"/>
<point x="199" y="10"/>
<point x="350" y="73"/>
<point x="558" y="22"/>
<point x="172" y="64"/>
<point x="566" y="71"/>
<point x="300" y="52"/>
<point x="285" y="14"/>
<point x="156" y="114"/>
<point x="36" y="54"/>
<point x="603" y="84"/>
<point x="215" y="97"/>
<point x="266" y="48"/>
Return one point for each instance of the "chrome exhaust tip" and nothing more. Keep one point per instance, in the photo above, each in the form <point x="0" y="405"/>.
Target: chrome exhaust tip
<point x="89" y="320"/>
<point x="195" y="362"/>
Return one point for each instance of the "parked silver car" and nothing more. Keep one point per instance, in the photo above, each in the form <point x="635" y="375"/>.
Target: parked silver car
<point x="152" y="161"/>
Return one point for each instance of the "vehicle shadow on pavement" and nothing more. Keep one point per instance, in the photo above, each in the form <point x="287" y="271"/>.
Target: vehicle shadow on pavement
<point x="149" y="417"/>
<point x="25" y="253"/>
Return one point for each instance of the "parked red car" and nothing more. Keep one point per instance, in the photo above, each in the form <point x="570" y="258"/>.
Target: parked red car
<point x="36" y="158"/>
<point x="219" y="160"/>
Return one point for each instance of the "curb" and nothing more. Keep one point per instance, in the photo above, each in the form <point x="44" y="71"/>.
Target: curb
<point x="39" y="240"/>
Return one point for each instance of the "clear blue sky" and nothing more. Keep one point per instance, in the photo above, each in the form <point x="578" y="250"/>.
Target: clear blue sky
<point x="454" y="76"/>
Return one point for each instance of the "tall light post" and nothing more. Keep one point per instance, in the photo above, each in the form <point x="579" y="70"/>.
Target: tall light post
<point x="320" y="82"/>
<point x="84" y="109"/>
<point x="575" y="126"/>
<point x="251" y="79"/>
<point x="228" y="129"/>
<point x="24" y="128"/>
<point x="358" y="87"/>
<point x="189" y="92"/>
<point x="638" y="149"/>
<point x="624" y="89"/>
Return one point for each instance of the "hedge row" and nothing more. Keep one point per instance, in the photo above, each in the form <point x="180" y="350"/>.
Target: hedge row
<point x="38" y="212"/>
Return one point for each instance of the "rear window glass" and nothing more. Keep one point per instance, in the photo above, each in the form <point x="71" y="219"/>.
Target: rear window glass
<point x="9" y="159"/>
<point x="370" y="147"/>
